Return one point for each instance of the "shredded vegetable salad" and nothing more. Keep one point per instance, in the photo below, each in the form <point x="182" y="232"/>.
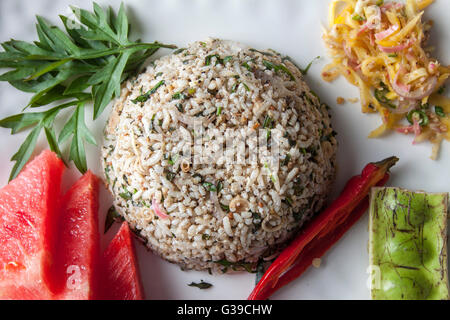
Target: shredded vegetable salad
<point x="380" y="47"/>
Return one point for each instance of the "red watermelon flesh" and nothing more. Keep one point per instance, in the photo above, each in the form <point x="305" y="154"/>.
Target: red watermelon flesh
<point x="28" y="210"/>
<point x="77" y="251"/>
<point x="121" y="279"/>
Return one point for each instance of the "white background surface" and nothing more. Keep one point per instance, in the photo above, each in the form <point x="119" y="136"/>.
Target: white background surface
<point x="292" y="27"/>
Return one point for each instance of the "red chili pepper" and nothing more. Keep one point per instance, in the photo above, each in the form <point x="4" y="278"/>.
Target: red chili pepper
<point x="324" y="230"/>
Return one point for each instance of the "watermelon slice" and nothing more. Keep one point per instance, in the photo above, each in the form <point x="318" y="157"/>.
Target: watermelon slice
<point x="49" y="247"/>
<point x="121" y="279"/>
<point x="77" y="250"/>
<point x="28" y="208"/>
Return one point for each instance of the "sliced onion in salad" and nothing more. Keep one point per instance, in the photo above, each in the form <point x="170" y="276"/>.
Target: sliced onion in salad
<point x="157" y="209"/>
<point x="423" y="91"/>
<point x="417" y="130"/>
<point x="386" y="33"/>
<point x="404" y="106"/>
<point x="398" y="48"/>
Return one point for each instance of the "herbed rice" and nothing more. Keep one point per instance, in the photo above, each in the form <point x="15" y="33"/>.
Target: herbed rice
<point x="225" y="86"/>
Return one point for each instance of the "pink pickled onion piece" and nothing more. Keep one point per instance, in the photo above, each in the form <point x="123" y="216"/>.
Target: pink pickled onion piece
<point x="352" y="62"/>
<point x="391" y="5"/>
<point x="398" y="48"/>
<point x="386" y="33"/>
<point x="414" y="128"/>
<point x="348" y="51"/>
<point x="363" y="29"/>
<point x="417" y="130"/>
<point x="373" y="22"/>
<point x="157" y="209"/>
<point x="432" y="67"/>
<point x="410" y="56"/>
<point x="369" y="25"/>
<point x="404" y="106"/>
<point x="424" y="91"/>
<point x="394" y="49"/>
<point x="405" y="130"/>
<point x="404" y="87"/>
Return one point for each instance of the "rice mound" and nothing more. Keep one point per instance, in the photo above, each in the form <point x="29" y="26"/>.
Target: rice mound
<point x="217" y="215"/>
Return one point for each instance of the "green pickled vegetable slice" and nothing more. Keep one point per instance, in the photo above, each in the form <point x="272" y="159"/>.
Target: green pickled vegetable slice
<point x="408" y="245"/>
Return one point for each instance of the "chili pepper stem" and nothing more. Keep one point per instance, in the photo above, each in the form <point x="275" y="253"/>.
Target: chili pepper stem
<point x="387" y="163"/>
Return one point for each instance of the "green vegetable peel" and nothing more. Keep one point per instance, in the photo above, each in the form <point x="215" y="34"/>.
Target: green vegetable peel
<point x="408" y="245"/>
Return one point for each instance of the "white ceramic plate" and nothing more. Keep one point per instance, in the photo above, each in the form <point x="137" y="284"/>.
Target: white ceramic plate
<point x="292" y="27"/>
